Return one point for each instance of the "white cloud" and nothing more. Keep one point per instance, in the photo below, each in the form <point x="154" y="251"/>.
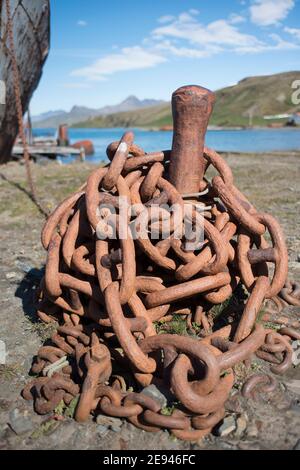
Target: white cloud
<point x="82" y="23"/>
<point x="76" y="53"/>
<point x="293" y="31"/>
<point x="193" y="11"/>
<point x="190" y="53"/>
<point x="166" y="19"/>
<point x="187" y="37"/>
<point x="281" y="44"/>
<point x="129" y="58"/>
<point x="236" y="19"/>
<point x="186" y="17"/>
<point x="220" y="33"/>
<point x="278" y="44"/>
<point x="268" y="12"/>
<point x="223" y="32"/>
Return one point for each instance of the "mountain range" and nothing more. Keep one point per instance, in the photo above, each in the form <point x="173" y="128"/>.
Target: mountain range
<point x="82" y="113"/>
<point x="245" y="103"/>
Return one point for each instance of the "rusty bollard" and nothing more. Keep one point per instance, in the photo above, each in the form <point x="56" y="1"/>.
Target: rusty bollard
<point x="63" y="135"/>
<point x="112" y="294"/>
<point x="191" y="106"/>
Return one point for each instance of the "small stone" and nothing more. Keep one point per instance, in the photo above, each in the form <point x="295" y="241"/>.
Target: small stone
<point x="10" y="275"/>
<point x="115" y="428"/>
<point x="298" y="257"/>
<point x="3" y="429"/>
<point x="284" y="405"/>
<point x="241" y="425"/>
<point x="293" y="386"/>
<point x="62" y="432"/>
<point x="259" y="425"/>
<point x="109" y="422"/>
<point x="294" y="408"/>
<point x="153" y="392"/>
<point x="101" y="429"/>
<point x="296" y="355"/>
<point x="24" y="266"/>
<point x="252" y="430"/>
<point x="4" y="404"/>
<point x="294" y="265"/>
<point x="20" y="422"/>
<point x="227" y="427"/>
<point x="3" y="353"/>
<point x="234" y="404"/>
<point x="103" y="420"/>
<point x="297" y="446"/>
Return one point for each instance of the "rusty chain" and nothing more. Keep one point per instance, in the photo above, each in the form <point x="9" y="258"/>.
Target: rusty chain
<point x="110" y="293"/>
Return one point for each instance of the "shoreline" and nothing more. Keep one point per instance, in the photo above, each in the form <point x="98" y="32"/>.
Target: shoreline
<point x="256" y="140"/>
<point x="209" y="128"/>
<point x="269" y="153"/>
<point x="170" y="129"/>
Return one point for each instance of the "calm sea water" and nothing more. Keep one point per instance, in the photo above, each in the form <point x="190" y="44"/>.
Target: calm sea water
<point x="249" y="140"/>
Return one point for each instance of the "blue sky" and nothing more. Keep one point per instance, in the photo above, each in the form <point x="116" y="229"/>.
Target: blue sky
<point x="103" y="51"/>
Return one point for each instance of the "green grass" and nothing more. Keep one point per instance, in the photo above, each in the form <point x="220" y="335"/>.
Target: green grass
<point x="232" y="303"/>
<point x="9" y="372"/>
<point x="45" y="429"/>
<point x="53" y="183"/>
<point x="256" y="366"/>
<point x="68" y="411"/>
<point x="267" y="324"/>
<point x="175" y="327"/>
<point x="167" y="410"/>
<point x="218" y="309"/>
<point x="18" y="206"/>
<point x="44" y="330"/>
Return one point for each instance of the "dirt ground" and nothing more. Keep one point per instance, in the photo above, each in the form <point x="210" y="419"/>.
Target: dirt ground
<point x="272" y="182"/>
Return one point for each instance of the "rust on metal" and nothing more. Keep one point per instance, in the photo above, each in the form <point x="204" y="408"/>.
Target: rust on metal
<point x="115" y="297"/>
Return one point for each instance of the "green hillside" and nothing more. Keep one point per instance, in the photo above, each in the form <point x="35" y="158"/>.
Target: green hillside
<point x="254" y="96"/>
<point x="156" y="116"/>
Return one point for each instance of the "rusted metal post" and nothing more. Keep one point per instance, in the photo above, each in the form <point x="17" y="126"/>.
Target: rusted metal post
<point x="63" y="135"/>
<point x="191" y="106"/>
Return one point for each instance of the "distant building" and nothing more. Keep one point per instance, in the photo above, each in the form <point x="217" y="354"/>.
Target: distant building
<point x="295" y="119"/>
<point x="291" y="119"/>
<point x="277" y="116"/>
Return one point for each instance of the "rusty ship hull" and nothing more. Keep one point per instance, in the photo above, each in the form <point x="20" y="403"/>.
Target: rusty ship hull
<point x="31" y="33"/>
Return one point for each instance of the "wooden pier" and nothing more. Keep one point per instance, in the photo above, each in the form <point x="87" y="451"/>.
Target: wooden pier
<point x="50" y="151"/>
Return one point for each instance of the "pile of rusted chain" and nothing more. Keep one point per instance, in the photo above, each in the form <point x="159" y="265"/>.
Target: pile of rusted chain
<point x="109" y="293"/>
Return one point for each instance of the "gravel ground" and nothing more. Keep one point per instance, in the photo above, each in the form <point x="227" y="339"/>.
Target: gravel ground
<point x="272" y="182"/>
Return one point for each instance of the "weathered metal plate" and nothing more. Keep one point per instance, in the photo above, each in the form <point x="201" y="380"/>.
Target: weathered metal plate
<point x="31" y="32"/>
